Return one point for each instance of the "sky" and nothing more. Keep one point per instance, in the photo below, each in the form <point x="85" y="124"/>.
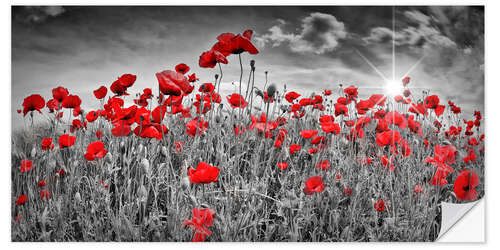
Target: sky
<point x="308" y="49"/>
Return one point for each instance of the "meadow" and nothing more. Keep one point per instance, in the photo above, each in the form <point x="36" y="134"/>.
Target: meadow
<point x="263" y="164"/>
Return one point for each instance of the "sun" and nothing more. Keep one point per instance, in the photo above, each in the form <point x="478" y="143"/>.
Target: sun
<point x="393" y="88"/>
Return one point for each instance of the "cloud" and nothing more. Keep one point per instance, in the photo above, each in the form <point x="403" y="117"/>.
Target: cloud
<point x="320" y="33"/>
<point x="422" y="35"/>
<point x="38" y="14"/>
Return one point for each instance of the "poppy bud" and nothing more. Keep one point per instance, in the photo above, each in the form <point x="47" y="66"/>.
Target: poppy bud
<point x="163" y="151"/>
<point x="145" y="165"/>
<point x="252" y="63"/>
<point x="217" y="119"/>
<point x="78" y="198"/>
<point x="185" y="183"/>
<point x="271" y="90"/>
<point x="108" y="158"/>
<point x="122" y="147"/>
<point x="33" y="152"/>
<point x="216" y="76"/>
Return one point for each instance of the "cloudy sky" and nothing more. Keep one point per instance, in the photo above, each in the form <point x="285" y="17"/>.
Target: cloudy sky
<point x="306" y="48"/>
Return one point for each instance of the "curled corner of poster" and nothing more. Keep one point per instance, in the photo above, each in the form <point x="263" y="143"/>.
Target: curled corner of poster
<point x="462" y="222"/>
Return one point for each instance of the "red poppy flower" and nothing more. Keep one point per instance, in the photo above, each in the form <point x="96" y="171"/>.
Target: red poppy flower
<point x="193" y="78"/>
<point x="406" y="81"/>
<point x="236" y="101"/>
<point x="151" y="131"/>
<point x="21" y="200"/>
<point x="282" y="165"/>
<point x="351" y="91"/>
<point x="418" y="109"/>
<point x="313" y="150"/>
<point x="118" y="88"/>
<point x="121" y="129"/>
<point x="52" y="105"/>
<point x="173" y="83"/>
<point x="91" y="116"/>
<point x="182" y="68"/>
<point x="465" y="184"/>
<point x="387" y="162"/>
<point x="59" y="93"/>
<point x="32" y="103"/>
<point x="294" y="148"/>
<point x="364" y="106"/>
<point x="406" y="92"/>
<point x="417" y="189"/>
<point x="26" y="166"/>
<point x="349" y="123"/>
<point x="378" y="99"/>
<point x="431" y="102"/>
<point x="204" y="173"/>
<point x="196" y="126"/>
<point x="327" y="92"/>
<point x="379" y="205"/>
<point x="98" y="134"/>
<point x="45" y="194"/>
<point x="323" y="165"/>
<point x="314" y="184"/>
<point x="127" y="80"/>
<point x="398" y="98"/>
<point x="290" y="96"/>
<point x="230" y="43"/>
<point x="100" y="92"/>
<point x="202" y="218"/>
<point x="308" y="133"/>
<point x="42" y="183"/>
<point x="389" y="137"/>
<point x="439" y="178"/>
<point x="206" y="87"/>
<point x="439" y="110"/>
<point x="66" y="140"/>
<point x="71" y="102"/>
<point x="178" y="146"/>
<point x="209" y="59"/>
<point x="330" y="127"/>
<point x="347" y="191"/>
<point x="393" y="117"/>
<point x="47" y="144"/>
<point x="95" y="149"/>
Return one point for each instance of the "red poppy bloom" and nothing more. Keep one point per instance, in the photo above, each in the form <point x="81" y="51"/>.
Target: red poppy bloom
<point x="282" y="165"/>
<point x="230" y="43"/>
<point x="417" y="189"/>
<point x="209" y="59"/>
<point x="178" y="146"/>
<point x="118" y="88"/>
<point x="182" y="68"/>
<point x="327" y="92"/>
<point x="314" y="184"/>
<point x="204" y="173"/>
<point x="406" y="92"/>
<point x="59" y="93"/>
<point x="465" y="184"/>
<point x="330" y="127"/>
<point x="378" y="99"/>
<point x="351" y="91"/>
<point x="387" y="162"/>
<point x="398" y="98"/>
<point x="347" y="191"/>
<point x="173" y="83"/>
<point x="127" y="80"/>
<point x="393" y="117"/>
<point x="406" y="81"/>
<point x="431" y="102"/>
<point x="91" y="116"/>
<point x="52" y="105"/>
<point x="42" y="183"/>
<point x="196" y="126"/>
<point x="206" y="87"/>
<point x="313" y="150"/>
<point x="308" y="133"/>
<point x="45" y="194"/>
<point x="66" y="140"/>
<point x="294" y="148"/>
<point x="98" y="134"/>
<point x="236" y="101"/>
<point x="121" y="129"/>
<point x="290" y="96"/>
<point x="32" y="103"/>
<point x="364" y="106"/>
<point x="323" y="165"/>
<point x="71" y="102"/>
<point x="21" y="200"/>
<point x="379" y="205"/>
<point x="439" y="110"/>
<point x="47" y="144"/>
<point x="202" y="218"/>
<point x="95" y="149"/>
<point x="389" y="137"/>
<point x="100" y="92"/>
<point x="26" y="166"/>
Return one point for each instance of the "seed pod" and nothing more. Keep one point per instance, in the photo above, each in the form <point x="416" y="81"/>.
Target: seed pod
<point x="33" y="152"/>
<point x="78" y="198"/>
<point x="108" y="158"/>
<point x="271" y="90"/>
<point x="145" y="165"/>
<point x="163" y="151"/>
<point x="185" y="183"/>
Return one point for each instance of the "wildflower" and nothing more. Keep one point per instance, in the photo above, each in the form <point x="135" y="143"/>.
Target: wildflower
<point x="282" y="165"/>
<point x="314" y="184"/>
<point x="182" y="68"/>
<point x="101" y="92"/>
<point x="236" y="101"/>
<point x="21" y="200"/>
<point x="379" y="205"/>
<point x="66" y="140"/>
<point x="204" y="173"/>
<point x="202" y="218"/>
<point x="323" y="165"/>
<point x="26" y="166"/>
<point x="47" y="144"/>
<point x="32" y="103"/>
<point x="308" y="133"/>
<point x="464" y="186"/>
<point x="95" y="149"/>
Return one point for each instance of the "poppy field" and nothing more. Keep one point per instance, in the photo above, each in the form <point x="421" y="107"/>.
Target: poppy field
<point x="186" y="163"/>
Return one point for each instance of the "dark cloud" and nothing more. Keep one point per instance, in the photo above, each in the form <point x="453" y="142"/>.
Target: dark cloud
<point x="319" y="33"/>
<point x="36" y="14"/>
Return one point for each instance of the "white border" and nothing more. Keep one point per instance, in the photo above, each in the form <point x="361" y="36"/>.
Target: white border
<point x="492" y="90"/>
